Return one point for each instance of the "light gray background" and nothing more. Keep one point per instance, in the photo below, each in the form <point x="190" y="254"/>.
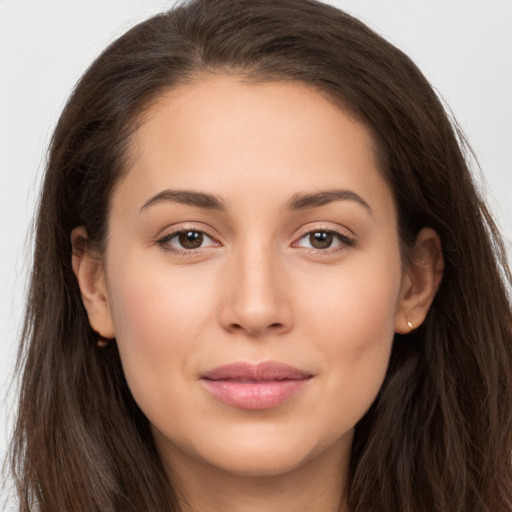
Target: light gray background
<point x="464" y="47"/>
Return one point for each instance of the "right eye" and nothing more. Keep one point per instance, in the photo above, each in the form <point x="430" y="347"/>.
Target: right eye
<point x="186" y="240"/>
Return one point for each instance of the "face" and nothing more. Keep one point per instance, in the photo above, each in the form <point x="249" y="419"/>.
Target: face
<point x="252" y="276"/>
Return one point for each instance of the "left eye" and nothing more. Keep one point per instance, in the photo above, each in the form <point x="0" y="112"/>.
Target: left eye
<point x="188" y="239"/>
<point x="323" y="239"/>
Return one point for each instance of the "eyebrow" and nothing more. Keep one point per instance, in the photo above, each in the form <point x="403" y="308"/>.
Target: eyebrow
<point x="198" y="199"/>
<point x="301" y="201"/>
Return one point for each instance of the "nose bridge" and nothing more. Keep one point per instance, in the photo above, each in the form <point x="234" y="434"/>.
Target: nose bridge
<point x="256" y="298"/>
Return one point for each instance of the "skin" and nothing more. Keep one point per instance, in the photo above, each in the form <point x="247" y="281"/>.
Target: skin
<point x="255" y="290"/>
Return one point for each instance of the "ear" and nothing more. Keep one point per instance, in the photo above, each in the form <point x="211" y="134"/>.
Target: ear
<point x="88" y="268"/>
<point x="420" y="281"/>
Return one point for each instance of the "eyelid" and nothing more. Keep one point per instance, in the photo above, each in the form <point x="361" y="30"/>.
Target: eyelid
<point x="324" y="226"/>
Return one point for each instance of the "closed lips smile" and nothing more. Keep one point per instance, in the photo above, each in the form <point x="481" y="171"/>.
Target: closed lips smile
<point x="254" y="387"/>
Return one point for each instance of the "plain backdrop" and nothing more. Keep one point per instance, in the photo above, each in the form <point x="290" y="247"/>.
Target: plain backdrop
<point x="464" y="47"/>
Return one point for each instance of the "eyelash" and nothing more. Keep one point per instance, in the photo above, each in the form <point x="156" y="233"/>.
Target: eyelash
<point x="344" y="240"/>
<point x="164" y="241"/>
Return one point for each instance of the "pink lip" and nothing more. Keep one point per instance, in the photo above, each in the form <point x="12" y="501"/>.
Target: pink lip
<point x="260" y="386"/>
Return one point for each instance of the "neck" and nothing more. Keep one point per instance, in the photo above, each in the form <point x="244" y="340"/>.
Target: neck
<point x="315" y="485"/>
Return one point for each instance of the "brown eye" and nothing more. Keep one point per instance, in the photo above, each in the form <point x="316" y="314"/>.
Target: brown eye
<point x="190" y="239"/>
<point x="324" y="240"/>
<point x="186" y="241"/>
<point x="321" y="239"/>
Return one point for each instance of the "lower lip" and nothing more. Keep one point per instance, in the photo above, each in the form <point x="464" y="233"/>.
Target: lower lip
<point x="255" y="395"/>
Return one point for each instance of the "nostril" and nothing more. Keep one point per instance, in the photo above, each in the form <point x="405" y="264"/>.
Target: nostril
<point x="256" y="330"/>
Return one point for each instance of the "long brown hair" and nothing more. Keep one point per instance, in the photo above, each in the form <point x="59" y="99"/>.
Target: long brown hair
<point x="439" y="435"/>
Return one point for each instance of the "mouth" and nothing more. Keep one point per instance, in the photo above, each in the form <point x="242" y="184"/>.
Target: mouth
<point x="255" y="387"/>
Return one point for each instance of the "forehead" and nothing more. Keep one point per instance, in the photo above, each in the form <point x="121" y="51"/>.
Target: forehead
<point x="221" y="135"/>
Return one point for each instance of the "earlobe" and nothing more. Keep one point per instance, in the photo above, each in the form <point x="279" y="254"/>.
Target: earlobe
<point x="88" y="268"/>
<point x="420" y="282"/>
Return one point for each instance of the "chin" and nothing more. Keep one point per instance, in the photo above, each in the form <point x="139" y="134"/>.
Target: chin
<point x="264" y="454"/>
<point x="260" y="464"/>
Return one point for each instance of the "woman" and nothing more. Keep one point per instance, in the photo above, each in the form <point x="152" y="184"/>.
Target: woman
<point x="258" y="281"/>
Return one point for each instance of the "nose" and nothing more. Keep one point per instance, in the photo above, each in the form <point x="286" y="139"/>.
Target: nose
<point x="256" y="295"/>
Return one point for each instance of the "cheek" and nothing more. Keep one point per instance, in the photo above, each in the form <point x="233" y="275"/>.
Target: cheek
<point x="356" y="303"/>
<point x="352" y="324"/>
<point x="151" y="300"/>
<point x="158" y="327"/>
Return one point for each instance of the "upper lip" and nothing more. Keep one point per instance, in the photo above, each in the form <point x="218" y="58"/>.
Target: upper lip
<point x="267" y="371"/>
